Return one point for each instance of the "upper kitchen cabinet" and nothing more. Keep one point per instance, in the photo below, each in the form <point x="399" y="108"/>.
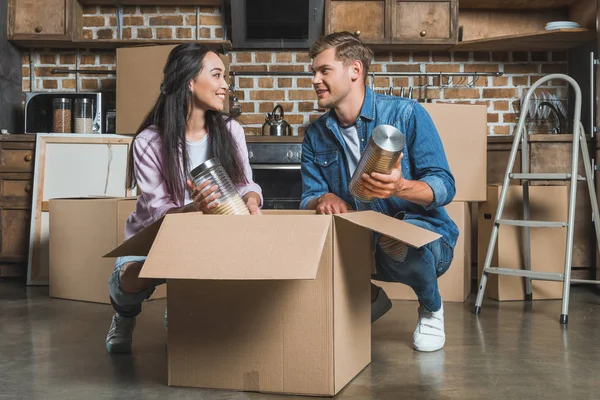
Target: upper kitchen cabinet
<point x="395" y="24"/>
<point x="44" y="20"/>
<point x="151" y="2"/>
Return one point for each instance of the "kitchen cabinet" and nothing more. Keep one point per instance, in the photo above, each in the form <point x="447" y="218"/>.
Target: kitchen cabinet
<point x="366" y="19"/>
<point x="215" y="3"/>
<point x="16" y="183"/>
<point x="44" y="20"/>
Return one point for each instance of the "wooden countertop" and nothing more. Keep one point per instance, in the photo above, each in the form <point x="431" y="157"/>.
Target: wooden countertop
<point x="18" y="137"/>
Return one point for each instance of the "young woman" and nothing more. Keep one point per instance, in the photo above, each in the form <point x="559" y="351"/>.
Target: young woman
<point x="184" y="128"/>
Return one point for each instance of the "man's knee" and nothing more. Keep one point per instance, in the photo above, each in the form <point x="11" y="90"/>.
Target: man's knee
<point x="129" y="280"/>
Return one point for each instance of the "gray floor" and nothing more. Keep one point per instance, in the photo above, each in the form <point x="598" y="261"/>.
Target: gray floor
<point x="54" y="349"/>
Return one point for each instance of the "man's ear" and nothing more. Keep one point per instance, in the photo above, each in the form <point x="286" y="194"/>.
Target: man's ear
<point x="357" y="70"/>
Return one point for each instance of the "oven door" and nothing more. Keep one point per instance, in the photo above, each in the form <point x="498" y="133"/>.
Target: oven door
<point x="281" y="185"/>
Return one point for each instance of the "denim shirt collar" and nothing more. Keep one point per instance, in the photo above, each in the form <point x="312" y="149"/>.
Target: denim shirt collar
<point x="367" y="111"/>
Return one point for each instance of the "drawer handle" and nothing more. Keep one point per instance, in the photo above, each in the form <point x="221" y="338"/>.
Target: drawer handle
<point x="357" y="33"/>
<point x="28" y="189"/>
<point x="38" y="29"/>
<point x="28" y="158"/>
<point x="423" y="33"/>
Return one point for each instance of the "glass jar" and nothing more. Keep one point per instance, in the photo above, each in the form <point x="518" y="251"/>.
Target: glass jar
<point x="84" y="115"/>
<point x="61" y="120"/>
<point x="230" y="202"/>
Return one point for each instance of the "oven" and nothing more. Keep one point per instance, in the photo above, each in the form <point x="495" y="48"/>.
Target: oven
<point x="276" y="168"/>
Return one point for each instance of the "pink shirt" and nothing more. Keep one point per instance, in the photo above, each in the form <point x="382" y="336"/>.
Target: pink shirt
<point x="154" y="200"/>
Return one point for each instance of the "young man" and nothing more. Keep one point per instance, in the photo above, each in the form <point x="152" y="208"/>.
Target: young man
<point x="415" y="191"/>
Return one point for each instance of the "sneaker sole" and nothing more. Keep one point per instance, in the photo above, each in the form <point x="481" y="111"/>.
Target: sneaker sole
<point x="429" y="349"/>
<point x="118" y="348"/>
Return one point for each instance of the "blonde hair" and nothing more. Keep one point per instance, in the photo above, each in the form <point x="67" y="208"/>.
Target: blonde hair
<point x="348" y="48"/>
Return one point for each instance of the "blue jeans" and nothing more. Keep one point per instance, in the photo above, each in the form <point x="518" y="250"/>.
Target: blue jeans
<point x="128" y="304"/>
<point x="420" y="270"/>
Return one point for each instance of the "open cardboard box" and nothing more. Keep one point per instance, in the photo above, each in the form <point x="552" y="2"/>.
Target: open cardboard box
<point x="274" y="303"/>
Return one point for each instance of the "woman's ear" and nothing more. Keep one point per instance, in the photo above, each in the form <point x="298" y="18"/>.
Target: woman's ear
<point x="191" y="85"/>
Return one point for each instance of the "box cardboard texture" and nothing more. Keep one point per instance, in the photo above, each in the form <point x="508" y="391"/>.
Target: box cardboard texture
<point x="455" y="284"/>
<point x="82" y="231"/>
<point x="274" y="303"/>
<point x="547" y="203"/>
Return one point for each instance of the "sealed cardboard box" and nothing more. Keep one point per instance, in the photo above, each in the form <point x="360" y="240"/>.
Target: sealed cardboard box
<point x="455" y="284"/>
<point x="82" y="230"/>
<point x="547" y="203"/>
<point x="274" y="303"/>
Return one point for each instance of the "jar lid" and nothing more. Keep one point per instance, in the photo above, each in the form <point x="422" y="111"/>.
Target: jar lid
<point x="206" y="165"/>
<point x="388" y="138"/>
<point x="61" y="100"/>
<point x="83" y="100"/>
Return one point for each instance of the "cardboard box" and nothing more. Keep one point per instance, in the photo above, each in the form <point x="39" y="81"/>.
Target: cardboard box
<point x="455" y="284"/>
<point x="463" y="130"/>
<point x="277" y="303"/>
<point x="82" y="231"/>
<point x="547" y="203"/>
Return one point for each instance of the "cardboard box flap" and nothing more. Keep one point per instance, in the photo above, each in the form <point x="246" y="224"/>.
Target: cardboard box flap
<point x="217" y="247"/>
<point x="139" y="244"/>
<point x="403" y="231"/>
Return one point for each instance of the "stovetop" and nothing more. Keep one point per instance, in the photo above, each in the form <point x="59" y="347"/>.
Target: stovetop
<point x="274" y="153"/>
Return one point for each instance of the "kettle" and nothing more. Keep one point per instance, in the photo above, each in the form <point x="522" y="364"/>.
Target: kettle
<point x="275" y="125"/>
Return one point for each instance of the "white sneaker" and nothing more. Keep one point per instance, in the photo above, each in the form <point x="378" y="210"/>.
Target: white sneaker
<point x="429" y="335"/>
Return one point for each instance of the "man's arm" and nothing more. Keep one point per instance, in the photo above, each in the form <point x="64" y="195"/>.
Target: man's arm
<point x="313" y="184"/>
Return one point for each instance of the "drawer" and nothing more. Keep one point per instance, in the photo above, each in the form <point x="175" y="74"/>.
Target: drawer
<point x="16" y="157"/>
<point x="16" y="190"/>
<point x="14" y="231"/>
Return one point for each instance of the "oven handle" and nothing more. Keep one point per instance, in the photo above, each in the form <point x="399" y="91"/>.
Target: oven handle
<point x="275" y="166"/>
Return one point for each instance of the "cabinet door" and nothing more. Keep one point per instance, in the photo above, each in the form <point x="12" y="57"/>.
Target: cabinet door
<point x="14" y="229"/>
<point x="367" y="17"/>
<point x="423" y="21"/>
<point x="16" y="156"/>
<point x="42" y="19"/>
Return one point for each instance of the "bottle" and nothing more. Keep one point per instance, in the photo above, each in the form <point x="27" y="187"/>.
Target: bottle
<point x="61" y="121"/>
<point x="381" y="155"/>
<point x="83" y="115"/>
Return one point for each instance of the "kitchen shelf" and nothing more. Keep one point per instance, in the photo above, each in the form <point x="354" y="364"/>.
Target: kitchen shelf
<point x="559" y="39"/>
<point x="224" y="45"/>
<point x="151" y="2"/>
<point x="517" y="4"/>
<point x="273" y="139"/>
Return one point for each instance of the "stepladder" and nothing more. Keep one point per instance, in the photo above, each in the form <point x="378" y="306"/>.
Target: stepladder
<point x="571" y="178"/>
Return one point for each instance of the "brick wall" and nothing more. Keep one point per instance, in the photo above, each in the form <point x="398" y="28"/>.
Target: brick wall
<point x="259" y="95"/>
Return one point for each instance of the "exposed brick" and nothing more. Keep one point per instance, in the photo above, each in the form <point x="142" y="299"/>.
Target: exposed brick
<point x="148" y="9"/>
<point x="190" y="20"/>
<point x="25" y="71"/>
<point x="112" y="21"/>
<point x="461" y="93"/>
<point x="520" y="56"/>
<point x="130" y="10"/>
<point x="382" y="57"/>
<point x="251" y="119"/>
<point x="87" y="59"/>
<point x="104" y="34"/>
<point x="167" y="10"/>
<point x="68" y="83"/>
<point x="400" y="57"/>
<point x="499" y="81"/>
<point x="204" y="33"/>
<point x="304" y="82"/>
<point x="87" y="34"/>
<point x="218" y="33"/>
<point x="539" y="56"/>
<point x="267" y="95"/>
<point x="521" y="68"/>
<point x="520" y="80"/>
<point x="303" y="58"/>
<point x="133" y="20"/>
<point x="47" y="58"/>
<point x="263" y="57"/>
<point x="302" y="129"/>
<point x="313" y="117"/>
<point x="284" y="82"/>
<point x="441" y="57"/>
<point x="89" y="84"/>
<point x="94" y="21"/>
<point x="509" y="117"/>
<point x="252" y="130"/>
<point x="248" y="68"/>
<point x="43" y="71"/>
<point x="210" y="20"/>
<point x="144" y="33"/>
<point x="187" y="9"/>
<point x="302" y="95"/>
<point x="382" y="82"/>
<point x="127" y="33"/>
<point x="287" y="68"/>
<point x="501" y="130"/>
<point x="107" y="59"/>
<point x="266" y="106"/>
<point x="555" y="68"/>
<point x="164" y="33"/>
<point x="507" y="93"/>
<point x="492" y="118"/>
<point x="481" y="68"/>
<point x="108" y="84"/>
<point x="500" y="56"/>
<point x="283" y="57"/>
<point x="421" y="56"/>
<point x="501" y="105"/>
<point x="265" y="83"/>
<point x="461" y="57"/>
<point x="208" y="10"/>
<point x="25" y="58"/>
<point x="376" y="68"/>
<point x="184" y="33"/>
<point x="245" y="83"/>
<point x="67" y="59"/>
<point x="248" y="107"/>
<point x="442" y="68"/>
<point x="294" y="118"/>
<point x="404" y="68"/>
<point x="306" y="106"/>
<point x="428" y="94"/>
<point x="243" y="57"/>
<point x="87" y="10"/>
<point x="166" y="20"/>
<point x="26" y="85"/>
<point x="400" y="82"/>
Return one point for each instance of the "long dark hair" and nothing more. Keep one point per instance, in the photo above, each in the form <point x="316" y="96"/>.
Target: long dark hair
<point x="170" y="114"/>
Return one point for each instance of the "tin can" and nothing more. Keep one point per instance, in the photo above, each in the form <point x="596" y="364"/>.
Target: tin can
<point x="381" y="155"/>
<point x="230" y="202"/>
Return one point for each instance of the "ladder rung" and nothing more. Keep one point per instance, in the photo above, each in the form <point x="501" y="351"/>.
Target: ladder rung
<point x="533" y="224"/>
<point x="544" y="176"/>
<point x="537" y="275"/>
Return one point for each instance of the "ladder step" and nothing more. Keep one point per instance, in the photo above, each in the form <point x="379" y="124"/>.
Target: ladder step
<point x="536" y="275"/>
<point x="533" y="224"/>
<point x="544" y="176"/>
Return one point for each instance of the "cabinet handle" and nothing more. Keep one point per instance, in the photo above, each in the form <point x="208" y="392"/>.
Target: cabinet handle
<point x="423" y="33"/>
<point x="357" y="33"/>
<point x="27" y="158"/>
<point x="39" y="29"/>
<point x="28" y="189"/>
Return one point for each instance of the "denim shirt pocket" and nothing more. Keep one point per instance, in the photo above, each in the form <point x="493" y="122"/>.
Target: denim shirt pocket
<point x="329" y="163"/>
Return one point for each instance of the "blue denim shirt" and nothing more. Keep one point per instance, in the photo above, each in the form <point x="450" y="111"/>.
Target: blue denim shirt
<point x="325" y="166"/>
